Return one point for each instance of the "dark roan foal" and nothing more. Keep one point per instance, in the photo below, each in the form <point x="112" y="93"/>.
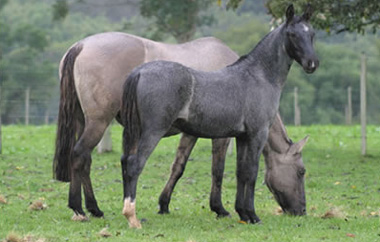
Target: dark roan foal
<point x="239" y="101"/>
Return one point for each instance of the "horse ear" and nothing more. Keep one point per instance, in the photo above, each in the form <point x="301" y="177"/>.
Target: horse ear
<point x="297" y="147"/>
<point x="289" y="13"/>
<point x="308" y="12"/>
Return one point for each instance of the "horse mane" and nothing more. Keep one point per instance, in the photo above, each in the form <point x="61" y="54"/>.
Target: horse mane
<point x="254" y="50"/>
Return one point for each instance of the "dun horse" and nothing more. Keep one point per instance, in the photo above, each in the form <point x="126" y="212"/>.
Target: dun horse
<point x="161" y="98"/>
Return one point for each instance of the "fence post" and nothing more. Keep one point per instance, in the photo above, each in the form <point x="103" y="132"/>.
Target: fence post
<point x="363" y="103"/>
<point x="27" y="97"/>
<point x="1" y="135"/>
<point x="349" y="106"/>
<point x="105" y="144"/>
<point x="297" y="111"/>
<point x="47" y="117"/>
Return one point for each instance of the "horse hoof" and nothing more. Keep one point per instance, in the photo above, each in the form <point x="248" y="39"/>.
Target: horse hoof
<point x="97" y="214"/>
<point x="135" y="224"/>
<point x="79" y="217"/>
<point x="162" y="212"/>
<point x="223" y="215"/>
<point x="255" y="221"/>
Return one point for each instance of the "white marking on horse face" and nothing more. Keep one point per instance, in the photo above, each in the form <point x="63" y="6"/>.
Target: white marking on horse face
<point x="312" y="64"/>
<point x="305" y="28"/>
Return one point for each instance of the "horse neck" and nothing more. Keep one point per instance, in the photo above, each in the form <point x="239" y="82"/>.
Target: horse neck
<point x="270" y="57"/>
<point x="278" y="139"/>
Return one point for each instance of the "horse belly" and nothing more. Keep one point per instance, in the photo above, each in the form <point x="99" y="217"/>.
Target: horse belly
<point x="218" y="127"/>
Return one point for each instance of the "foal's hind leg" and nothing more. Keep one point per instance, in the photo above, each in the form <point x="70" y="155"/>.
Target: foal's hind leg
<point x="219" y="150"/>
<point x="185" y="147"/>
<point x="80" y="171"/>
<point x="132" y="166"/>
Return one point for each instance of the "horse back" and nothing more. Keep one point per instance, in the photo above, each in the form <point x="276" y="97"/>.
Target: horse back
<point x="204" y="54"/>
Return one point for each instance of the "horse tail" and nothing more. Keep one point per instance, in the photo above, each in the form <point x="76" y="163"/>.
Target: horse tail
<point x="67" y="125"/>
<point x="129" y="113"/>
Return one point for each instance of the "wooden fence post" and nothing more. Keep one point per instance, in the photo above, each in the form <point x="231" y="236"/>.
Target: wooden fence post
<point x="47" y="117"/>
<point x="1" y="135"/>
<point x="27" y="97"/>
<point x="363" y="103"/>
<point x="349" y="106"/>
<point x="297" y="111"/>
<point x="105" y="144"/>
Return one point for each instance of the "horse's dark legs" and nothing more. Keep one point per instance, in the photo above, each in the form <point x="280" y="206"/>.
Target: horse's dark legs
<point x="219" y="149"/>
<point x="132" y="166"/>
<point x="248" y="154"/>
<point x="80" y="172"/>
<point x="185" y="147"/>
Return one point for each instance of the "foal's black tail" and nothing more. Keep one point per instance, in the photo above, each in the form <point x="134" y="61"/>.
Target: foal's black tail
<point x="67" y="126"/>
<point x="129" y="113"/>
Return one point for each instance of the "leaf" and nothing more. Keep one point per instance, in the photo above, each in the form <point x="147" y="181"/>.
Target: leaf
<point x="38" y="205"/>
<point x="242" y="222"/>
<point x="3" y="200"/>
<point x="104" y="233"/>
<point x="350" y="235"/>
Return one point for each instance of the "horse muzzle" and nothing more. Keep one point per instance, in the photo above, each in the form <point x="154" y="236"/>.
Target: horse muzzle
<point x="309" y="66"/>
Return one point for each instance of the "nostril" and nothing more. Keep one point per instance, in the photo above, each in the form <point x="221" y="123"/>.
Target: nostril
<point x="310" y="64"/>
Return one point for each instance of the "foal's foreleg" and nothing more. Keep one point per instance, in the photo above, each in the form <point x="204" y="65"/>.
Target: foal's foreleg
<point x="249" y="151"/>
<point x="184" y="149"/>
<point x="219" y="150"/>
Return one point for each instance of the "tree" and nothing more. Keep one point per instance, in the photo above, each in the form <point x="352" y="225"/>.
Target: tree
<point x="178" y="18"/>
<point x="331" y="16"/>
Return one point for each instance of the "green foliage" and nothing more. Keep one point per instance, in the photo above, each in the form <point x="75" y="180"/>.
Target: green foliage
<point x="60" y="10"/>
<point x="250" y="27"/>
<point x="179" y="18"/>
<point x="32" y="46"/>
<point x="335" y="16"/>
<point x="337" y="177"/>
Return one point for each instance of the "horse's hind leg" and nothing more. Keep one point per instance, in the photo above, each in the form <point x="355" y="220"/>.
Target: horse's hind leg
<point x="219" y="149"/>
<point x="185" y="147"/>
<point x="80" y="171"/>
<point x="132" y="166"/>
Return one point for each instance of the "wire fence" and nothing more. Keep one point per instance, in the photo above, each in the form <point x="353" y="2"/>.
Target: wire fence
<point x="31" y="109"/>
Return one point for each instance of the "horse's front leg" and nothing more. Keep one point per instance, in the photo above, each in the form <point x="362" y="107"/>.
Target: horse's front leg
<point x="248" y="154"/>
<point x="219" y="150"/>
<point x="185" y="147"/>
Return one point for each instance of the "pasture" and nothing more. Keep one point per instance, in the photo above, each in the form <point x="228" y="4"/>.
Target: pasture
<point x="342" y="192"/>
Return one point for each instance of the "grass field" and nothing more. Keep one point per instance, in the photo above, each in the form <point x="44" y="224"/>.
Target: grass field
<point x="340" y="184"/>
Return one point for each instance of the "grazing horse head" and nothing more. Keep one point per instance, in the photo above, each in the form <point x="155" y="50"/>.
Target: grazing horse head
<point x="284" y="173"/>
<point x="284" y="176"/>
<point x="299" y="39"/>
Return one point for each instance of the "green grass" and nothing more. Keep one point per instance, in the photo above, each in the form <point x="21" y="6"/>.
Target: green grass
<point x="337" y="177"/>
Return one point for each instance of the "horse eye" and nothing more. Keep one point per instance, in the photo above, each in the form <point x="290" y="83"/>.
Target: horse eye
<point x="291" y="34"/>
